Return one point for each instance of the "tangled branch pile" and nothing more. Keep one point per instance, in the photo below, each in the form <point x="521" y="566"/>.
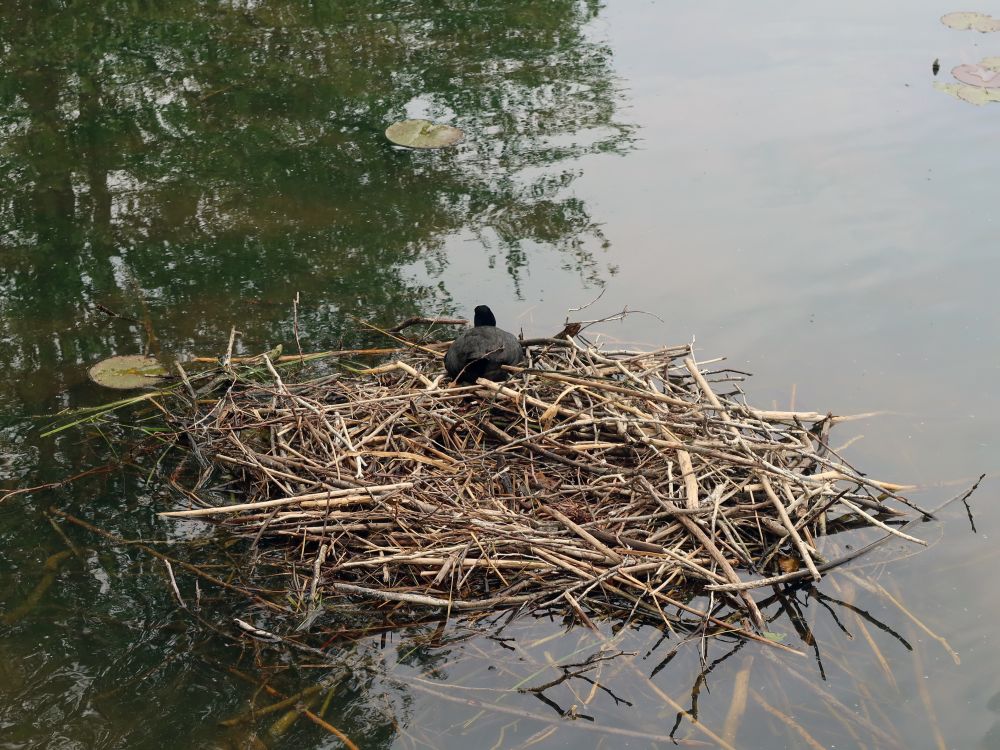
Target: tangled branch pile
<point x="590" y="479"/>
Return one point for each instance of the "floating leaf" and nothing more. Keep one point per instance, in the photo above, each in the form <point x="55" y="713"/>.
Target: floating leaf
<point x="977" y="75"/>
<point x="973" y="94"/>
<point x="423" y="134"/>
<point x="774" y="637"/>
<point x="128" y="372"/>
<point x="976" y="21"/>
<point x="993" y="63"/>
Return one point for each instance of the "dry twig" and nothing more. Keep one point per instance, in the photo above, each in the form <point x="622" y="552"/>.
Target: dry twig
<point x="590" y="479"/>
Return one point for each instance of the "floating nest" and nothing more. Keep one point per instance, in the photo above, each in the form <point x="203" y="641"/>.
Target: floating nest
<point x="593" y="480"/>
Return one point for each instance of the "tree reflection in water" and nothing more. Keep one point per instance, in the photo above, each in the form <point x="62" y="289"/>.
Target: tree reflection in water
<point x="189" y="166"/>
<point x="217" y="158"/>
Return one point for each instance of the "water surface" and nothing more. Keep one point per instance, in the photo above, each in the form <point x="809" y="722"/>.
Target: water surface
<point x="781" y="183"/>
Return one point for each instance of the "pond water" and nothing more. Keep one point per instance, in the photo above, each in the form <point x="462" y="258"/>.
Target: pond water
<point x="782" y="183"/>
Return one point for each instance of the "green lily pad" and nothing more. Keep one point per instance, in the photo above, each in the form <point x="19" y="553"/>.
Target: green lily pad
<point x="128" y="372"/>
<point x="980" y="22"/>
<point x="971" y="94"/>
<point x="423" y="134"/>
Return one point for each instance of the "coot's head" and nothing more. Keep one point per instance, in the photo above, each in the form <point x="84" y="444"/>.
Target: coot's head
<point x="484" y="317"/>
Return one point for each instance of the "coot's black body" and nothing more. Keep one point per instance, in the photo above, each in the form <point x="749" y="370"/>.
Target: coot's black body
<point x="481" y="352"/>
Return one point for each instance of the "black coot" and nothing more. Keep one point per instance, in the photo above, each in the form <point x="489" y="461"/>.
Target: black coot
<point x="480" y="352"/>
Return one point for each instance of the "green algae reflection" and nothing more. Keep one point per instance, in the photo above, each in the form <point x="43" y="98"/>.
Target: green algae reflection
<point x="215" y="160"/>
<point x="193" y="165"/>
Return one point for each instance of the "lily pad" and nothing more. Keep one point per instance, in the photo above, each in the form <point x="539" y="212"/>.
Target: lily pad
<point x="980" y="22"/>
<point x="128" y="372"/>
<point x="977" y="75"/>
<point x="973" y="94"/>
<point x="423" y="134"/>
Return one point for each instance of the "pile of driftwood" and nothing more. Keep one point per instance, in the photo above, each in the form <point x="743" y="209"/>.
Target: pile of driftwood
<point x="591" y="479"/>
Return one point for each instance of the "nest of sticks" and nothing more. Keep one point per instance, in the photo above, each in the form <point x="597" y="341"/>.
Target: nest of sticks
<point x="591" y="479"/>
